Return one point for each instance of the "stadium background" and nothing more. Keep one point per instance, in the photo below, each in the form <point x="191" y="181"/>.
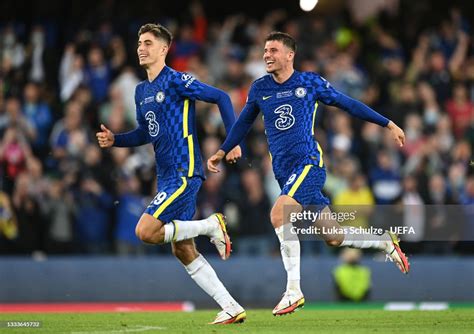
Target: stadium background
<point x="65" y="68"/>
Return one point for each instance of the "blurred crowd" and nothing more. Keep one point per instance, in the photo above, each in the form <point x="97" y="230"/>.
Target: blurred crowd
<point x="61" y="194"/>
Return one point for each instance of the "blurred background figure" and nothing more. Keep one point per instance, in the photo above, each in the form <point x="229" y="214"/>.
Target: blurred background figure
<point x="352" y="281"/>
<point x="128" y="209"/>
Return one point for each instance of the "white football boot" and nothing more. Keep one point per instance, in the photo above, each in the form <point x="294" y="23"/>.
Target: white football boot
<point x="395" y="254"/>
<point x="291" y="301"/>
<point x="219" y="236"/>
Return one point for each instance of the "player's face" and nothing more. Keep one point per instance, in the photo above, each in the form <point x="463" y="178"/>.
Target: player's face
<point x="150" y="49"/>
<point x="277" y="56"/>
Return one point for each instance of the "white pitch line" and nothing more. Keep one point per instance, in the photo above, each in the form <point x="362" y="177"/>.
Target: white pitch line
<point x="138" y="328"/>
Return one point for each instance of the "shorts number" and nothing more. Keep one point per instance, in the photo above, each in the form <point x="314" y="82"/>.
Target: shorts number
<point x="153" y="126"/>
<point x="159" y="198"/>
<point x="291" y="179"/>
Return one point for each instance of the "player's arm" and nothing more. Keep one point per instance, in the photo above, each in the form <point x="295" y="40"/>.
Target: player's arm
<point x="330" y="96"/>
<point x="214" y="95"/>
<point x="217" y="96"/>
<point x="138" y="136"/>
<point x="197" y="90"/>
<point x="237" y="134"/>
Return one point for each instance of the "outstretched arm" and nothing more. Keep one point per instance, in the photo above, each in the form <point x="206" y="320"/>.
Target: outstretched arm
<point x="214" y="95"/>
<point x="222" y="99"/>
<point x="330" y="96"/>
<point x="362" y="111"/>
<point x="236" y="135"/>
<point x="195" y="89"/>
<point x="136" y="137"/>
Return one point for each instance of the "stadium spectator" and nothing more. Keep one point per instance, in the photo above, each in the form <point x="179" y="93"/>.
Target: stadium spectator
<point x="58" y="209"/>
<point x="352" y="280"/>
<point x="128" y="209"/>
<point x="254" y="222"/>
<point x="40" y="116"/>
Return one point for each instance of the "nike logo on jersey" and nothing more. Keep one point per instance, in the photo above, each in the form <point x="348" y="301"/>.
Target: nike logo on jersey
<point x="266" y="97"/>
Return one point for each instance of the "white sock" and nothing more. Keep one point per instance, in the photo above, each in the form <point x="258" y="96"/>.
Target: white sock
<point x="290" y="253"/>
<point x="203" y="274"/>
<point x="179" y="230"/>
<point x="364" y="240"/>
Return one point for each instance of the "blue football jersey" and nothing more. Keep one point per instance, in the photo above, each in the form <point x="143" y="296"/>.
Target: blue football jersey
<point x="289" y="113"/>
<point x="166" y="107"/>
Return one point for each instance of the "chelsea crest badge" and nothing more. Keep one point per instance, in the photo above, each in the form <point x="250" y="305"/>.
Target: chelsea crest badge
<point x="300" y="92"/>
<point x="160" y="97"/>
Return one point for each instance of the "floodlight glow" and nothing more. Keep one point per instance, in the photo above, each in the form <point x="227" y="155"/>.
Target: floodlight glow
<point x="308" y="5"/>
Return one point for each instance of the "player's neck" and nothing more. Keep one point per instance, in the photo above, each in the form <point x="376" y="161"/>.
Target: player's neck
<point x="154" y="70"/>
<point x="282" y="76"/>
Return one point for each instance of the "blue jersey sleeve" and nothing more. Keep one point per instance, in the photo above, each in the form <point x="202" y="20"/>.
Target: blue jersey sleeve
<point x="138" y="136"/>
<point x="244" y="122"/>
<point x="190" y="87"/>
<point x="330" y="96"/>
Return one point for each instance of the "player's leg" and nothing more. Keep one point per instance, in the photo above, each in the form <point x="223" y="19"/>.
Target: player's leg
<point x="387" y="242"/>
<point x="205" y="276"/>
<point x="308" y="192"/>
<point x="290" y="252"/>
<point x="173" y="197"/>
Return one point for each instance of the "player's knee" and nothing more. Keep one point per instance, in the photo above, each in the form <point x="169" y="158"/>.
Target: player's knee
<point x="276" y="217"/>
<point x="333" y="241"/>
<point x="148" y="235"/>
<point x="277" y="220"/>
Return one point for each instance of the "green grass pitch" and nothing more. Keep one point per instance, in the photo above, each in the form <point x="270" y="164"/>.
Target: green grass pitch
<point x="258" y="321"/>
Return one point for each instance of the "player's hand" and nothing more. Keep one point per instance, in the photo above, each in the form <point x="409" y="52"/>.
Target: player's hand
<point x="397" y="133"/>
<point x="105" y="137"/>
<point x="234" y="155"/>
<point x="213" y="161"/>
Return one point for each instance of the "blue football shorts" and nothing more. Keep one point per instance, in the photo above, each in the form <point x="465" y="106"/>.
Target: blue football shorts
<point x="305" y="185"/>
<point x="175" y="199"/>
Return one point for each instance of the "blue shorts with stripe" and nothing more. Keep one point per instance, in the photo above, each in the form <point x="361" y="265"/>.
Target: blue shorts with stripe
<point x="175" y="199"/>
<point x="305" y="185"/>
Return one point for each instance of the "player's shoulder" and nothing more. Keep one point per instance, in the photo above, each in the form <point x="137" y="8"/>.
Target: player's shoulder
<point x="179" y="76"/>
<point x="309" y="76"/>
<point x="180" y="80"/>
<point x="140" y="87"/>
<point x="261" y="82"/>
<point x="313" y="78"/>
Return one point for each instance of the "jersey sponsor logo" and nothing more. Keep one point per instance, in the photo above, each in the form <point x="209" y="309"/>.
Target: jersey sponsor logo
<point x="286" y="93"/>
<point x="266" y="97"/>
<point x="285" y="119"/>
<point x="291" y="179"/>
<point x="188" y="78"/>
<point x="148" y="99"/>
<point x="153" y="126"/>
<point x="300" y="92"/>
<point x="160" y="97"/>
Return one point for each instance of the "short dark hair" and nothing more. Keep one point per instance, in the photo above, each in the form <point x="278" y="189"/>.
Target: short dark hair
<point x="158" y="31"/>
<point x="285" y="38"/>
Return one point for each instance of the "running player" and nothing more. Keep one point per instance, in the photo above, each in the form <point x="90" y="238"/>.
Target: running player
<point x="288" y="100"/>
<point x="166" y="118"/>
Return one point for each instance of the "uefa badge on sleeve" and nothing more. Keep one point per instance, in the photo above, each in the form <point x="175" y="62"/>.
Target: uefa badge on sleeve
<point x="160" y="97"/>
<point x="300" y="92"/>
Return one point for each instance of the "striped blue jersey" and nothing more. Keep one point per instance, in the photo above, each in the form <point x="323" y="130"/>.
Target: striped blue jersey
<point x="289" y="112"/>
<point x="166" y="109"/>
